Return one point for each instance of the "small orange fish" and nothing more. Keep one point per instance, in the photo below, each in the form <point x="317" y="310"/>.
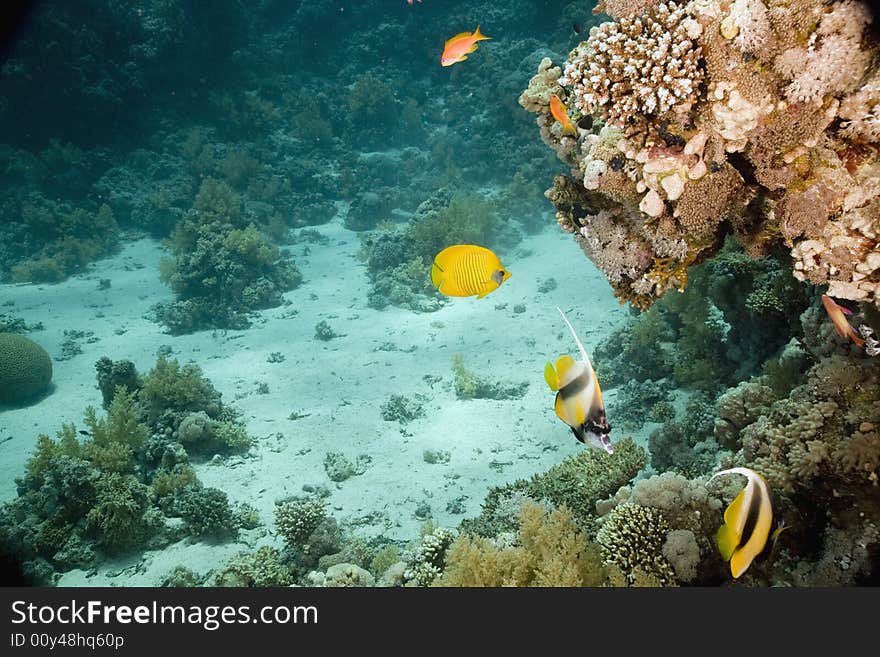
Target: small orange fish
<point x="838" y="318"/>
<point x="458" y="47"/>
<point x="557" y="109"/>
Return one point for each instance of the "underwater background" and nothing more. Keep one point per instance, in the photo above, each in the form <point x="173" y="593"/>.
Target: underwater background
<point x="223" y="360"/>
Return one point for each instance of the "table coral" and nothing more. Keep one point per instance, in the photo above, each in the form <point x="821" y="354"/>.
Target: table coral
<point x="743" y="118"/>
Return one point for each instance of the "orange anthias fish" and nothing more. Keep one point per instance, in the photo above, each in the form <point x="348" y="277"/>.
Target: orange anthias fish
<point x="458" y="47"/>
<point x="557" y="109"/>
<point x="838" y="318"/>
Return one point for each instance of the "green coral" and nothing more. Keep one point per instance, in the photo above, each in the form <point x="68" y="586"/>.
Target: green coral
<point x="254" y="569"/>
<point x="116" y="373"/>
<point x="25" y="368"/>
<point x="578" y="483"/>
<point x="223" y="267"/>
<point x="167" y="482"/>
<point x="469" y="385"/>
<point x="582" y="480"/>
<point x="64" y="239"/>
<point x="168" y="386"/>
<point x="205" y="511"/>
<point x="118" y="514"/>
<point x="115" y="439"/>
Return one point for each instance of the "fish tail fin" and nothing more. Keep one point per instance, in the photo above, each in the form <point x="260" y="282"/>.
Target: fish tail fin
<point x="568" y="130"/>
<point x="856" y="338"/>
<point x="479" y="36"/>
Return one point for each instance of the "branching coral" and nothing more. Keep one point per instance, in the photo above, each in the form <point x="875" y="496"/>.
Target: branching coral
<point x="297" y="520"/>
<point x="637" y="69"/>
<point x="632" y="539"/>
<point x="426" y="561"/>
<point x="678" y="528"/>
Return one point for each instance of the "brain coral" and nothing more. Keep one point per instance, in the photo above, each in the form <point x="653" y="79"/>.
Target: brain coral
<point x="25" y="368"/>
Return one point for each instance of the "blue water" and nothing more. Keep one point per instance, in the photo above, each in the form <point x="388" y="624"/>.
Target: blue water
<point x="254" y="191"/>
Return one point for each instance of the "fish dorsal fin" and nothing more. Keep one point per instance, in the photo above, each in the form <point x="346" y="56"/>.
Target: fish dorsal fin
<point x="597" y="396"/>
<point x="459" y="36"/>
<point x="580" y="346"/>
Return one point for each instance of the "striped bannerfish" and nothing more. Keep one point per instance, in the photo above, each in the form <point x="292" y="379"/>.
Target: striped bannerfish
<point x="578" y="398"/>
<point x="748" y="522"/>
<point x="464" y="270"/>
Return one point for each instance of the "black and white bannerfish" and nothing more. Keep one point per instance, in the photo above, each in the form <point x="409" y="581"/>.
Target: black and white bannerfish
<point x="578" y="396"/>
<point x="748" y="522"/>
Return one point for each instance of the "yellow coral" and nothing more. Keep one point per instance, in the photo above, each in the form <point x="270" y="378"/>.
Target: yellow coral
<point x="551" y="552"/>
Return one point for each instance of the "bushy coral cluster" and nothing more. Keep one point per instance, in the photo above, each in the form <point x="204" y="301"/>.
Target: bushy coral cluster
<point x="745" y="118"/>
<point x="223" y="266"/>
<point x="116" y="485"/>
<point x="549" y="550"/>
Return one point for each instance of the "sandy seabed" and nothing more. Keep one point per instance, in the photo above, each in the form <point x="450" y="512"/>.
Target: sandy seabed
<point x="337" y="386"/>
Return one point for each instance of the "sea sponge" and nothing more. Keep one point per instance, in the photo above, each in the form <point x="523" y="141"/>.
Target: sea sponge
<point x="25" y="368"/>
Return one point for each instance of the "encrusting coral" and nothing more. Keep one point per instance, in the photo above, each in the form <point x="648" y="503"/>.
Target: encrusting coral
<point x="747" y="118"/>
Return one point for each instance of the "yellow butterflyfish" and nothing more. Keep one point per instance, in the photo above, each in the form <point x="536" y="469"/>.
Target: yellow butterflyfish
<point x="463" y="270"/>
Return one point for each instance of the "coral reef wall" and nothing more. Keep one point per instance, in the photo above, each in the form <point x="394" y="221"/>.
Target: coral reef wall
<point x="749" y="118"/>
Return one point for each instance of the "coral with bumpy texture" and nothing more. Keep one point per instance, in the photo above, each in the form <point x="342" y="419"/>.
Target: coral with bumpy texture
<point x="297" y="520"/>
<point x="425" y="563"/>
<point x="637" y="69"/>
<point x="261" y="568"/>
<point x="25" y="368"/>
<point x="632" y="539"/>
<point x="742" y="118"/>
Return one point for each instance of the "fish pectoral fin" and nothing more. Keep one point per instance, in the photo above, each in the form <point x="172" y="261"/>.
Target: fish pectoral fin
<point x="550" y="376"/>
<point x="462" y="58"/>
